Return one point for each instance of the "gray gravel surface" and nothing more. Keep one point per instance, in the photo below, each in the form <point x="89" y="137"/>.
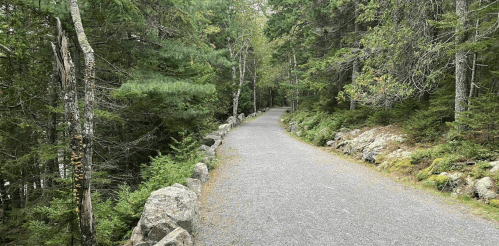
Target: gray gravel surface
<point x="276" y="190"/>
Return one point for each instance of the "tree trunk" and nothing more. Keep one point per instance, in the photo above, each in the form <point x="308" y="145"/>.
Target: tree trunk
<point x="297" y="92"/>
<point x="355" y="65"/>
<point x="291" y="82"/>
<point x="461" y="66"/>
<point x="4" y="198"/>
<point x="233" y="59"/>
<point x="254" y="87"/>
<point x="242" y="71"/>
<point x="52" y="166"/>
<point x="270" y="97"/>
<point x="473" y="67"/>
<point x="87" y="220"/>
<point x="71" y="110"/>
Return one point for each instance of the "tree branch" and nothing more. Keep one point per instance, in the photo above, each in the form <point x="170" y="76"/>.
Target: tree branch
<point x="6" y="49"/>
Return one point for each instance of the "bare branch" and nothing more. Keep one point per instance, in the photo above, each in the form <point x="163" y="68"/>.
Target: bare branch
<point x="6" y="49"/>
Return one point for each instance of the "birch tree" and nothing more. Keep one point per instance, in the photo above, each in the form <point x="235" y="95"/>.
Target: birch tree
<point x="242" y="71"/>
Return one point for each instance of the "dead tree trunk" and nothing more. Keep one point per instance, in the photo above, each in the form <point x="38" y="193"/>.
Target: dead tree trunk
<point x="71" y="112"/>
<point x="87" y="221"/>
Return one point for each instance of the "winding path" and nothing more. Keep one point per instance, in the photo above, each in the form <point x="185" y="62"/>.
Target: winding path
<point x="275" y="190"/>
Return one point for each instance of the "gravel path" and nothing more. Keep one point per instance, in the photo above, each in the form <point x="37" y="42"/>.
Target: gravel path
<point x="275" y="190"/>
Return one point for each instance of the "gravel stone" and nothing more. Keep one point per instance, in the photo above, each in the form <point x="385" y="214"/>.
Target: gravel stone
<point x="276" y="190"/>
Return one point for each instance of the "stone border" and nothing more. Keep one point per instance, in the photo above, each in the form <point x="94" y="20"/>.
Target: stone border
<point x="170" y="216"/>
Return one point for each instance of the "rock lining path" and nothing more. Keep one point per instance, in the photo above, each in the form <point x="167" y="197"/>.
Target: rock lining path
<point x="276" y="190"/>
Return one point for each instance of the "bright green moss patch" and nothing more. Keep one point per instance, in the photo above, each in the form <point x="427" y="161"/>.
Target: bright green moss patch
<point x="404" y="166"/>
<point x="494" y="203"/>
<point x="440" y="181"/>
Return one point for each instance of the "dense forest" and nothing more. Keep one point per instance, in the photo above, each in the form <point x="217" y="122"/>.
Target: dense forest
<point x="103" y="102"/>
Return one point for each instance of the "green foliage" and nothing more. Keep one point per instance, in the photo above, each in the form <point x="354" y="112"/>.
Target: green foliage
<point x="480" y="170"/>
<point x="320" y="127"/>
<point x="126" y="211"/>
<point x="185" y="149"/>
<point x="439" y="181"/>
<point x="481" y="120"/>
<point x="321" y="133"/>
<point x="402" y="166"/>
<point x="494" y="203"/>
<point x="164" y="171"/>
<point x="426" y="125"/>
<point x="354" y="118"/>
<point x="451" y="152"/>
<point x="56" y="223"/>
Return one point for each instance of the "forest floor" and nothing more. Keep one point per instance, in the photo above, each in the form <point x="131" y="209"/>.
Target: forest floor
<point x="272" y="189"/>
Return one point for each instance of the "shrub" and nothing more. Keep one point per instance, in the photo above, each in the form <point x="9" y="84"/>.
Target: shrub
<point x="355" y="118"/>
<point x="426" y="125"/>
<point x="380" y="117"/>
<point x="481" y="121"/>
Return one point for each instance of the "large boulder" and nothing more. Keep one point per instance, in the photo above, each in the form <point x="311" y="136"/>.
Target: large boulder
<point x="204" y="148"/>
<point x="240" y="118"/>
<point x="195" y="185"/>
<point x="495" y="166"/>
<point x="369" y="143"/>
<point x="232" y="121"/>
<point x="178" y="237"/>
<point x="223" y="129"/>
<point x="293" y="127"/>
<point x="484" y="188"/>
<point x="165" y="210"/>
<point x="211" y="152"/>
<point x="370" y="151"/>
<point x="216" y="144"/>
<point x="200" y="172"/>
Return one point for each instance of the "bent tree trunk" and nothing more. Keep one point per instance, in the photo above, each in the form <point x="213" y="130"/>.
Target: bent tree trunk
<point x="460" y="59"/>
<point x="86" y="215"/>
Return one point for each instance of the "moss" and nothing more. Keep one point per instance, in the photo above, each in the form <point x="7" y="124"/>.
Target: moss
<point x="422" y="175"/>
<point x="440" y="181"/>
<point x="403" y="166"/>
<point x="425" y="173"/>
<point x="480" y="170"/>
<point x="494" y="203"/>
<point x="438" y="161"/>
